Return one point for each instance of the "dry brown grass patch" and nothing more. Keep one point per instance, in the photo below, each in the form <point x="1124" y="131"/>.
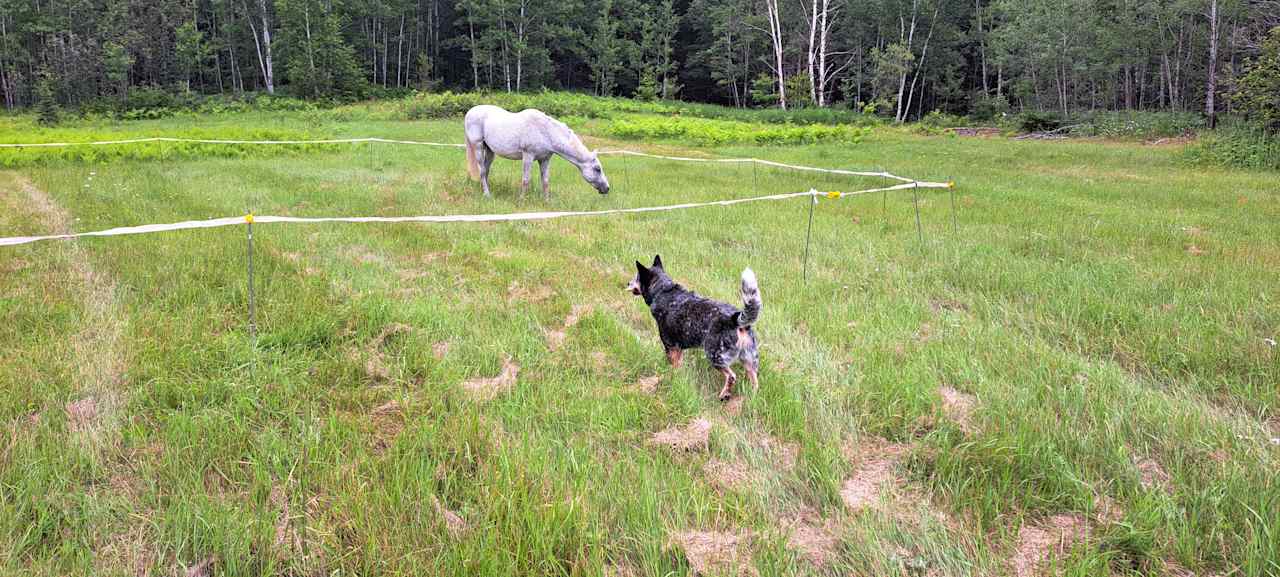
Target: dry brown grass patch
<point x="202" y="568"/>
<point x="811" y="537"/>
<point x="692" y="437"/>
<point x="1151" y="475"/>
<point x="716" y="552"/>
<point x="517" y="292"/>
<point x="453" y="522"/>
<point x="1037" y="544"/>
<point x="958" y="407"/>
<point x="876" y="463"/>
<point x="388" y="422"/>
<point x="487" y="388"/>
<point x="555" y="338"/>
<point x="729" y="475"/>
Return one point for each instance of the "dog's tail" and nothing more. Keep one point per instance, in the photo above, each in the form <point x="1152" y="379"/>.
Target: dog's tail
<point x="751" y="302"/>
<point x="473" y="168"/>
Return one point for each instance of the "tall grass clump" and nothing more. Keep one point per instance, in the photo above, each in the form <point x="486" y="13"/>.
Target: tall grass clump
<point x="1137" y="124"/>
<point x="454" y="104"/>
<point x="24" y="131"/>
<point x="1237" y="144"/>
<point x="703" y="132"/>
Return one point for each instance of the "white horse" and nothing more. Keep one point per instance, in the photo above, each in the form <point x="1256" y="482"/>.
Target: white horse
<point x="527" y="135"/>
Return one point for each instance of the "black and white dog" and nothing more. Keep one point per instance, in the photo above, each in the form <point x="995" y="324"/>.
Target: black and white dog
<point x="688" y="321"/>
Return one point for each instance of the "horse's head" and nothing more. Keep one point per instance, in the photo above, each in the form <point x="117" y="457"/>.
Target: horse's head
<point x="593" y="173"/>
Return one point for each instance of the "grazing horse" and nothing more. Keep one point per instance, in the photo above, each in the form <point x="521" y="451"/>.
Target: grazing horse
<point x="527" y="135"/>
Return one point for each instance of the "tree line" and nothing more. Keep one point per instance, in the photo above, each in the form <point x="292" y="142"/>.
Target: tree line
<point x="901" y="58"/>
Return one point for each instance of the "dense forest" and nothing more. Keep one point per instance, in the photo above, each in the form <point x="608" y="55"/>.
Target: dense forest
<point x="902" y="58"/>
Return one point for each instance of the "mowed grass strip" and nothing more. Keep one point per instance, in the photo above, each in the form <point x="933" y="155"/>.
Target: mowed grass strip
<point x="1104" y="314"/>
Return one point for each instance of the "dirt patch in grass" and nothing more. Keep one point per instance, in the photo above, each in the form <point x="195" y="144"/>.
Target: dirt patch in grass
<point x="876" y="461"/>
<point x="1050" y="539"/>
<point x="388" y="422"/>
<point x="958" y="407"/>
<point x="453" y="522"/>
<point x="784" y="453"/>
<point x="81" y="414"/>
<point x="98" y="349"/>
<point x="716" y="552"/>
<point x="517" y="292"/>
<point x="555" y="338"/>
<point x="202" y="568"/>
<point x="288" y="541"/>
<point x="1151" y="475"/>
<point x="811" y="538"/>
<point x="375" y="363"/>
<point x="647" y="385"/>
<point x="692" y="437"/>
<point x="130" y="550"/>
<point x="487" y="388"/>
<point x="947" y="304"/>
<point x="729" y="475"/>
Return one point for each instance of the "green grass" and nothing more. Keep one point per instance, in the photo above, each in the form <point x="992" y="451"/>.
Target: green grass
<point x="1104" y="304"/>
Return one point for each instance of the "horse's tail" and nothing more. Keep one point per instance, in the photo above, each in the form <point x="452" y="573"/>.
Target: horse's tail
<point x="473" y="168"/>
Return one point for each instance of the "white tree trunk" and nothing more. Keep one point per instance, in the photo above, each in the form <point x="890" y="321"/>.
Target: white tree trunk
<point x="269" y="74"/>
<point x="1210" y="109"/>
<point x="775" y="34"/>
<point x="910" y="35"/>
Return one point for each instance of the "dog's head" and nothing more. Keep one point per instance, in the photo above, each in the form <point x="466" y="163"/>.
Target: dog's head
<point x="642" y="284"/>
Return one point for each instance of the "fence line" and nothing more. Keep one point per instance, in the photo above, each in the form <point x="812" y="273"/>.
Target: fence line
<point x="499" y="217"/>
<point x="923" y="184"/>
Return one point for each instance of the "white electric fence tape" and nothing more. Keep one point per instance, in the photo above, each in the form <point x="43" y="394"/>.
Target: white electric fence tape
<point x="509" y="217"/>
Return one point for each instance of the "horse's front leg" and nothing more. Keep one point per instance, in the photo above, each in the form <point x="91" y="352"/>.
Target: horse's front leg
<point x="545" y="164"/>
<point x="528" y="168"/>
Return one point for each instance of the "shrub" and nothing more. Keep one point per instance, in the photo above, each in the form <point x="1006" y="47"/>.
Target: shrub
<point x="18" y="131"/>
<point x="1238" y="145"/>
<point x="1037" y="121"/>
<point x="707" y="132"/>
<point x="987" y="108"/>
<point x="1137" y="124"/>
<point x="1259" y="90"/>
<point x="46" y="101"/>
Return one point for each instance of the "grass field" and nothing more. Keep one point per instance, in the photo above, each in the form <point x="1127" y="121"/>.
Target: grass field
<point x="1080" y="378"/>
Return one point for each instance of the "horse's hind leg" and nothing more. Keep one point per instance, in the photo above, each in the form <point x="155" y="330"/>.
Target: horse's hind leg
<point x="486" y="159"/>
<point x="545" y="164"/>
<point x="524" y="179"/>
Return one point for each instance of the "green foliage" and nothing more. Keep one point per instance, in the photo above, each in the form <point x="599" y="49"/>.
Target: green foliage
<point x="455" y="104"/>
<point x="1237" y="145"/>
<point x="1258" y="92"/>
<point x="116" y="63"/>
<point x="764" y="90"/>
<point x="987" y="108"/>
<point x="46" y="100"/>
<point x="648" y="88"/>
<point x="321" y="64"/>
<point x="18" y="131"/>
<point x="706" y="132"/>
<point x="1137" y="124"/>
<point x="798" y="95"/>
<point x="937" y="122"/>
<point x="192" y="51"/>
<point x="1039" y="121"/>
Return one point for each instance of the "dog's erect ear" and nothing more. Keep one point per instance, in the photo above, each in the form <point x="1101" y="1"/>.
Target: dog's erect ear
<point x="643" y="274"/>
<point x="657" y="261"/>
